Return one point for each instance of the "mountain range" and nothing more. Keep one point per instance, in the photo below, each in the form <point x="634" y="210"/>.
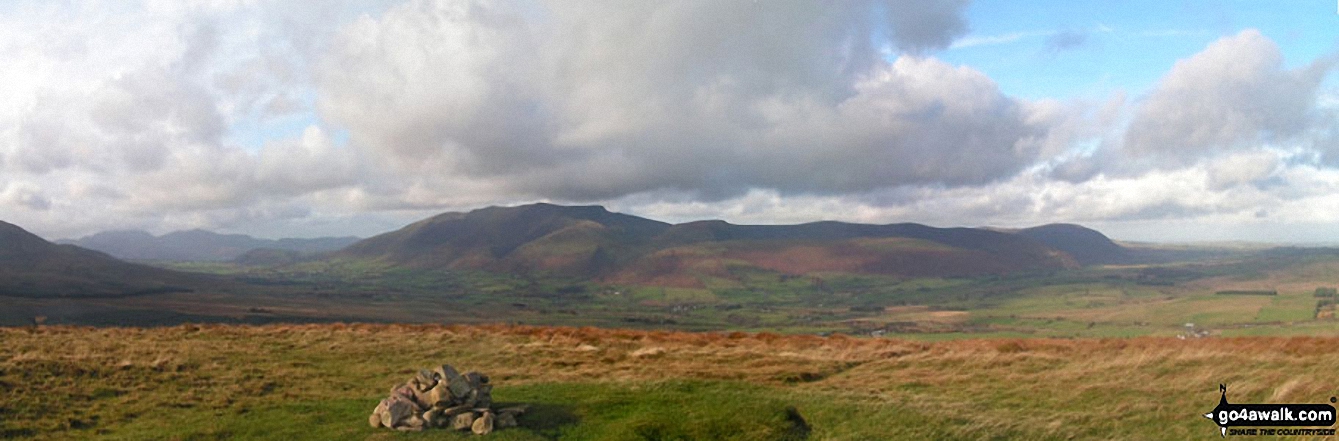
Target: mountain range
<point x="592" y="242"/>
<point x="198" y="245"/>
<point x="587" y="242"/>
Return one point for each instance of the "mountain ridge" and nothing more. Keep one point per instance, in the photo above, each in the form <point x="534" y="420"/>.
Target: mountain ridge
<point x="197" y="245"/>
<point x="33" y="267"/>
<point x="590" y="241"/>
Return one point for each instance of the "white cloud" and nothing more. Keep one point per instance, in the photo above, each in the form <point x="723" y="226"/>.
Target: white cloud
<point x="117" y="114"/>
<point x="1234" y="94"/>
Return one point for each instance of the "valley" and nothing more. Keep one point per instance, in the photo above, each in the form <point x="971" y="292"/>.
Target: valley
<point x="584" y="266"/>
<point x="614" y="327"/>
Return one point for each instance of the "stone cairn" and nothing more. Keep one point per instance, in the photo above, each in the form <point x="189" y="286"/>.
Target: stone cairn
<point x="443" y="398"/>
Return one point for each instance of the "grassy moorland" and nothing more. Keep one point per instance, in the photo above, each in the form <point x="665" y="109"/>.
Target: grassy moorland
<point x="320" y="381"/>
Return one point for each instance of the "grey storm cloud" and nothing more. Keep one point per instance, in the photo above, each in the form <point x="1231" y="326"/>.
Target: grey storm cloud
<point x="584" y="101"/>
<point x="918" y="25"/>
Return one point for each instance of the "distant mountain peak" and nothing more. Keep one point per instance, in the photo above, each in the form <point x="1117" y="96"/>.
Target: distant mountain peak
<point x="590" y="241"/>
<point x="197" y="245"/>
<point x="1086" y="245"/>
<point x="33" y="267"/>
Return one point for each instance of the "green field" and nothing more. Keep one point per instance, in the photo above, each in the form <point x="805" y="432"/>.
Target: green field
<point x="1115" y="301"/>
<point x="1216" y="296"/>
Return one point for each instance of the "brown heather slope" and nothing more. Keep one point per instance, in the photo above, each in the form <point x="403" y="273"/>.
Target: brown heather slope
<point x="76" y="382"/>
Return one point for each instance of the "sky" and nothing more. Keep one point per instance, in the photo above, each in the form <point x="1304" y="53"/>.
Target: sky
<point x="1157" y="121"/>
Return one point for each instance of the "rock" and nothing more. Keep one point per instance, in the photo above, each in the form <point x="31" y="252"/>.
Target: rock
<point x="483" y="425"/>
<point x="385" y="416"/>
<point x="377" y="415"/>
<point x="505" y="420"/>
<point x="433" y="418"/>
<point x="446" y="372"/>
<point x="485" y="398"/>
<point x="460" y="387"/>
<point x="404" y="390"/>
<point x="463" y="421"/>
<point x="411" y="424"/>
<point x="443" y="397"/>
<point x="399" y="409"/>
<point x="470" y="398"/>
<point x="422" y="399"/>
<point x="374" y="420"/>
<point x="426" y="379"/>
<point x="513" y="410"/>
<point x="440" y="395"/>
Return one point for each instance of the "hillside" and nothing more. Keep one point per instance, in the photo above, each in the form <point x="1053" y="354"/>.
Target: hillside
<point x="319" y="382"/>
<point x="593" y="242"/>
<point x="1087" y="246"/>
<point x="571" y="240"/>
<point x="198" y="245"/>
<point x="32" y="267"/>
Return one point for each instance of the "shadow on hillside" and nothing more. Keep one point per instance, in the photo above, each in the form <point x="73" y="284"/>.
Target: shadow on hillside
<point x="544" y="419"/>
<point x="799" y="428"/>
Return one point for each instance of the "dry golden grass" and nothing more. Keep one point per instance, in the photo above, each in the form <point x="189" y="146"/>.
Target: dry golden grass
<point x="58" y="379"/>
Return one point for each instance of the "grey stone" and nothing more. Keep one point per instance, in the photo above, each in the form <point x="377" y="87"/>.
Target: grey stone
<point x="514" y="410"/>
<point x="432" y="418"/>
<point x="447" y="373"/>
<point x="399" y="409"/>
<point x="443" y="397"/>
<point x="460" y="387"/>
<point x="463" y="421"/>
<point x="470" y="399"/>
<point x="426" y="379"/>
<point x="485" y="396"/>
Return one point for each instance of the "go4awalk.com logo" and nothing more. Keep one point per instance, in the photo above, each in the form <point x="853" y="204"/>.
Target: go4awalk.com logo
<point x="1262" y="419"/>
